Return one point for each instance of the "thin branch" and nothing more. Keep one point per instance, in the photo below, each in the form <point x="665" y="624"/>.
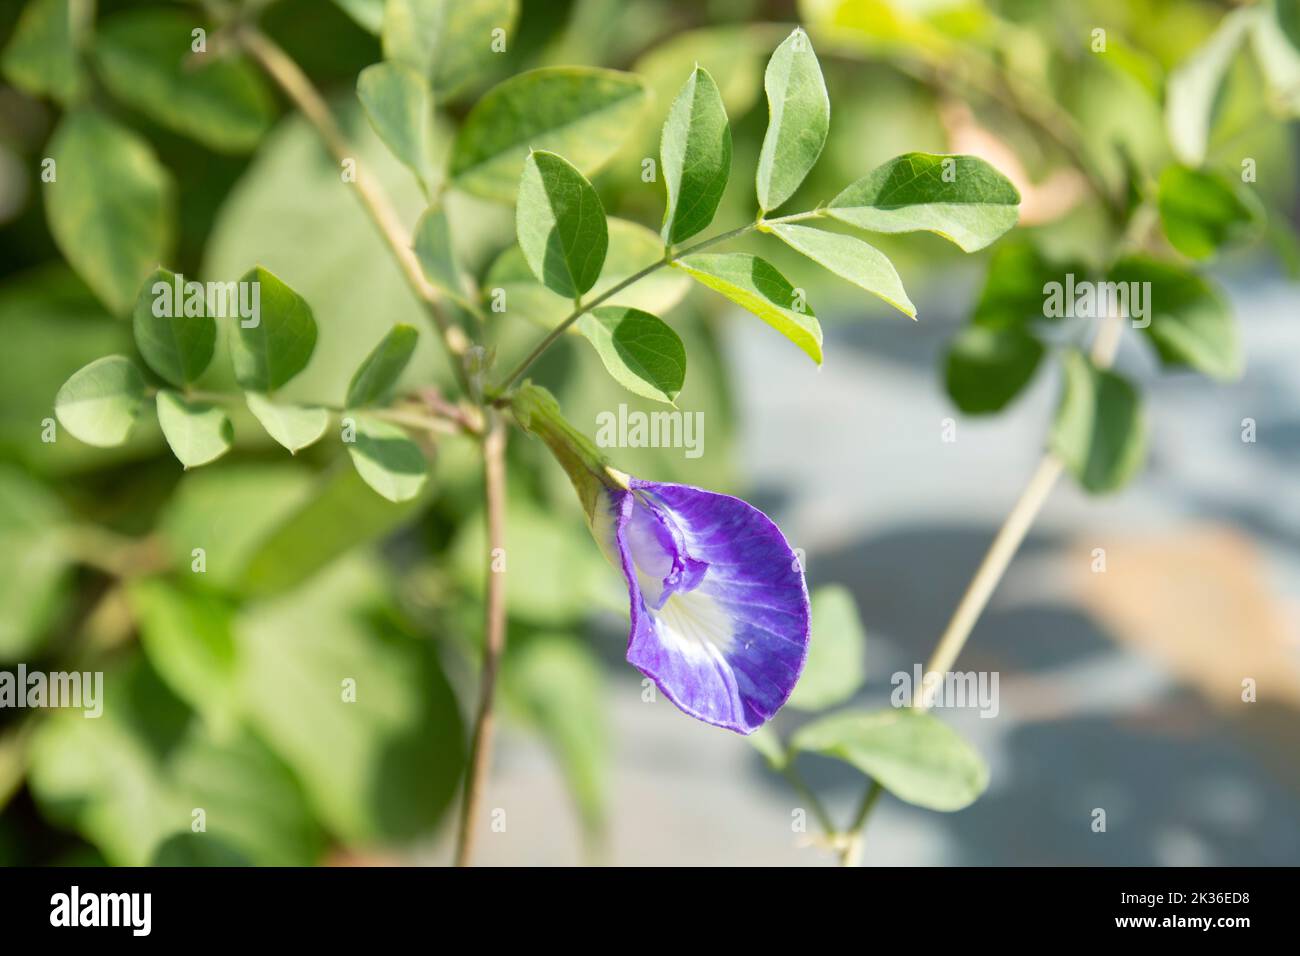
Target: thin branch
<point x="669" y="258"/>
<point x="298" y="87"/>
<point x="987" y="577"/>
<point x="494" y="636"/>
<point x="801" y="787"/>
<point x="851" y="850"/>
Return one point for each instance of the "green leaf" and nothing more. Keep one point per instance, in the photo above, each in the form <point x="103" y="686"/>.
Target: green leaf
<point x="755" y="285"/>
<point x="190" y="848"/>
<point x="1278" y="58"/>
<point x="109" y="209"/>
<point x="340" y="514"/>
<point x="910" y="753"/>
<point x="835" y="668"/>
<point x="99" y="404"/>
<point x="279" y="346"/>
<point x="197" y="432"/>
<point x="382" y="765"/>
<point x="643" y="354"/>
<point x="554" y="684"/>
<point x="293" y="426"/>
<point x="582" y="113"/>
<point x="368" y="14"/>
<point x="400" y="107"/>
<point x="799" y="117"/>
<point x="987" y="367"/>
<point x="557" y="578"/>
<point x="695" y="155"/>
<point x="197" y="516"/>
<point x="43" y="56"/>
<point x="1015" y="287"/>
<point x="387" y="460"/>
<point x="434" y="250"/>
<point x="1189" y="323"/>
<point x="1099" y="431"/>
<point x="33" y="564"/>
<point x="189" y="641"/>
<point x="291" y="190"/>
<point x="632" y="247"/>
<point x="961" y="198"/>
<point x="147" y="61"/>
<point x="177" y="346"/>
<point x="449" y="41"/>
<point x="849" y="258"/>
<point x="374" y="380"/>
<point x="561" y="226"/>
<point x="1193" y="87"/>
<point x="1287" y="14"/>
<point x="130" y="780"/>
<point x="1203" y="211"/>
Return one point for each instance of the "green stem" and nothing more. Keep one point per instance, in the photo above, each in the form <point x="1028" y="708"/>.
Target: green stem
<point x="801" y="787"/>
<point x="851" y="852"/>
<point x="1014" y="528"/>
<point x="669" y="258"/>
<point x="298" y="87"/>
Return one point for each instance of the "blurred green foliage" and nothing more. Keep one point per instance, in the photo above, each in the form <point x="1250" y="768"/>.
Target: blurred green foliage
<point x="308" y="689"/>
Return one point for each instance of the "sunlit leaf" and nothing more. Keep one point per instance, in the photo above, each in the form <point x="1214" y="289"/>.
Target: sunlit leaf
<point x="387" y="460"/>
<point x="198" y="432"/>
<point x="849" y="258"/>
<point x="99" y="403"/>
<point x="961" y="198"/>
<point x="755" y="285"/>
<point x="1276" y="45"/>
<point x="1193" y="87"/>
<point x="293" y="426"/>
<point x="912" y="754"/>
<point x="799" y="117"/>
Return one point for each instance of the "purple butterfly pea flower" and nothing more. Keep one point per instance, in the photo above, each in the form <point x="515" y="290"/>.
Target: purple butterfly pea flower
<point x="719" y="607"/>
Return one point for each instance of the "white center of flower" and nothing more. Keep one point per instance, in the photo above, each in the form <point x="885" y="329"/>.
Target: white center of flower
<point x="690" y="620"/>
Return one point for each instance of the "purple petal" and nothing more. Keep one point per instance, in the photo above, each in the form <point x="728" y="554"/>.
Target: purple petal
<point x="720" y="614"/>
